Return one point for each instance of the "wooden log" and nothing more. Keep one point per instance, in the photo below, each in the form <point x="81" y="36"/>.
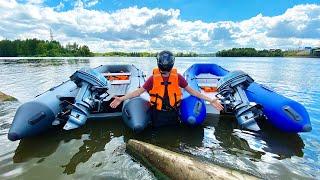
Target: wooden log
<point x="178" y="166"/>
<point x="4" y="97"/>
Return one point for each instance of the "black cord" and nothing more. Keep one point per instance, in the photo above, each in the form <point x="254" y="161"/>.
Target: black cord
<point x="138" y="75"/>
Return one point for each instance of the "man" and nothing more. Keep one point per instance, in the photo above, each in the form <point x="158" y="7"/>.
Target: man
<point x="165" y="93"/>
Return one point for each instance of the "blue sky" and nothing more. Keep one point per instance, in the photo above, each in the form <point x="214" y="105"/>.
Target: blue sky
<point x="205" y="10"/>
<point x="152" y="25"/>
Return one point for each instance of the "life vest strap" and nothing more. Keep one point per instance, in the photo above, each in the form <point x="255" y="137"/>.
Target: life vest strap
<point x="177" y="102"/>
<point x="165" y="83"/>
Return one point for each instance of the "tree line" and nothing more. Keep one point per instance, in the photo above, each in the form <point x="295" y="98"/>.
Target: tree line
<point x="127" y="54"/>
<point x="41" y="48"/>
<point x="250" y="52"/>
<point x="143" y="54"/>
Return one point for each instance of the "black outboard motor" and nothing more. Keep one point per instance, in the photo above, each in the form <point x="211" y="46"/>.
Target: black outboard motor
<point x="92" y="88"/>
<point x="231" y="87"/>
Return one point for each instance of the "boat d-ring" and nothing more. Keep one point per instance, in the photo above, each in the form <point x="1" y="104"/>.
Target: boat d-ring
<point x="127" y="113"/>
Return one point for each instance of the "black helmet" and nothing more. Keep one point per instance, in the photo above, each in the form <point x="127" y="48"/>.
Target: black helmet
<point x="165" y="60"/>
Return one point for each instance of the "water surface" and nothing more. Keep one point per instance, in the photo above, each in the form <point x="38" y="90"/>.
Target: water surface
<point x="97" y="150"/>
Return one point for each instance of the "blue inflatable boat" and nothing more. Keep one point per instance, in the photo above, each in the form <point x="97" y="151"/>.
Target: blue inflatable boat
<point x="253" y="104"/>
<point x="87" y="95"/>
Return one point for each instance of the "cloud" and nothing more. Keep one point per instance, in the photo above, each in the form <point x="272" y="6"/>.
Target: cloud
<point x="91" y="3"/>
<point x="299" y="22"/>
<point x="85" y="3"/>
<point x="224" y="31"/>
<point x="144" y="29"/>
<point x="59" y="7"/>
<point x="35" y="1"/>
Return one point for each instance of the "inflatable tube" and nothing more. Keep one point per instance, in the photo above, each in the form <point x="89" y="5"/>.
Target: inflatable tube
<point x="282" y="113"/>
<point x="135" y="114"/>
<point x="37" y="116"/>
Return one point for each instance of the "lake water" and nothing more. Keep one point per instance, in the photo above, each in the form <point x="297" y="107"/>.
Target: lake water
<point x="97" y="150"/>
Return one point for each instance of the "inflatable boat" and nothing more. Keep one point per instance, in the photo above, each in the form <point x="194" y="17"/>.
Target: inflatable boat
<point x="253" y="104"/>
<point x="86" y="95"/>
<point x="89" y="92"/>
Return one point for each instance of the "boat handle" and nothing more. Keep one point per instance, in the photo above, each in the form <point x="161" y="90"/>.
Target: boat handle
<point x="36" y="118"/>
<point x="266" y="88"/>
<point x="291" y="113"/>
<point x="197" y="108"/>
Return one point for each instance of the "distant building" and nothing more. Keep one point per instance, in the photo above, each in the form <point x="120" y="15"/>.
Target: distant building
<point x="274" y="50"/>
<point x="308" y="49"/>
<point x="315" y="51"/>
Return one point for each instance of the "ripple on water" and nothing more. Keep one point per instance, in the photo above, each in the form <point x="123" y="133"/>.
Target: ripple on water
<point x="114" y="163"/>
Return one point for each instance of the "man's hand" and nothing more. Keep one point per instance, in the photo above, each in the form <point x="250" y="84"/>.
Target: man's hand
<point x="115" y="103"/>
<point x="215" y="103"/>
<point x="118" y="100"/>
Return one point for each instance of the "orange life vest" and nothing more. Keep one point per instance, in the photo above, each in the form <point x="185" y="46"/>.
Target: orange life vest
<point x="159" y="86"/>
<point x="209" y="89"/>
<point x="118" y="77"/>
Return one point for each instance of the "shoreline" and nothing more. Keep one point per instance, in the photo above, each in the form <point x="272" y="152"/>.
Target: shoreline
<point x="275" y="56"/>
<point x="62" y="58"/>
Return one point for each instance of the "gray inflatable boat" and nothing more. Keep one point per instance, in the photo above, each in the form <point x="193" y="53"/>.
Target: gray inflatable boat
<point x="86" y="96"/>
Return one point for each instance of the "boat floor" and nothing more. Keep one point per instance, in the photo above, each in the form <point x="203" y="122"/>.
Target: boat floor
<point x="211" y="110"/>
<point x="208" y="80"/>
<point x="118" y="89"/>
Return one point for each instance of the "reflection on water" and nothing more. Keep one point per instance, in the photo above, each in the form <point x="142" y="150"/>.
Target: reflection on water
<point x="257" y="144"/>
<point x="92" y="138"/>
<point x="180" y="138"/>
<point x="97" y="139"/>
<point x="97" y="150"/>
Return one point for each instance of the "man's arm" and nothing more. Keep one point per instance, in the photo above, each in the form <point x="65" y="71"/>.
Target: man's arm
<point x="198" y="94"/>
<point x="133" y="94"/>
<point x="214" y="102"/>
<point x="118" y="100"/>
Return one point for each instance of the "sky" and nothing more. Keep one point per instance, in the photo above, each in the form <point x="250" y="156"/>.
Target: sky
<point x="202" y="26"/>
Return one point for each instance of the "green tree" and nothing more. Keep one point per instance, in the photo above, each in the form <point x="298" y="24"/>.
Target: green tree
<point x="35" y="47"/>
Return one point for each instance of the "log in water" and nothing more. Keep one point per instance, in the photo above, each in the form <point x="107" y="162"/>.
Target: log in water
<point x="178" y="166"/>
<point x="4" y="97"/>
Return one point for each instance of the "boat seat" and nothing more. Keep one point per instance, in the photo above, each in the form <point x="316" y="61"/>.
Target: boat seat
<point x="115" y="82"/>
<point x="117" y="74"/>
<point x="207" y="76"/>
<point x="208" y="84"/>
<point x="118" y="89"/>
<point x="207" y="80"/>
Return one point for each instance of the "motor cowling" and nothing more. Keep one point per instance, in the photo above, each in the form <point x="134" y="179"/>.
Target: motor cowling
<point x="231" y="89"/>
<point x="92" y="85"/>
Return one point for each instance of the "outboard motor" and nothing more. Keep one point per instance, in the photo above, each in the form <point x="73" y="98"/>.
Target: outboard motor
<point x="231" y="87"/>
<point x="92" y="88"/>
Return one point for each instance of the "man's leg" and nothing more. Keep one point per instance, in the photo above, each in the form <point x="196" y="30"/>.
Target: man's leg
<point x="164" y="118"/>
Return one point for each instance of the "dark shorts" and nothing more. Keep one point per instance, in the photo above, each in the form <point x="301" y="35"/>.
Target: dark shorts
<point x="164" y="118"/>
